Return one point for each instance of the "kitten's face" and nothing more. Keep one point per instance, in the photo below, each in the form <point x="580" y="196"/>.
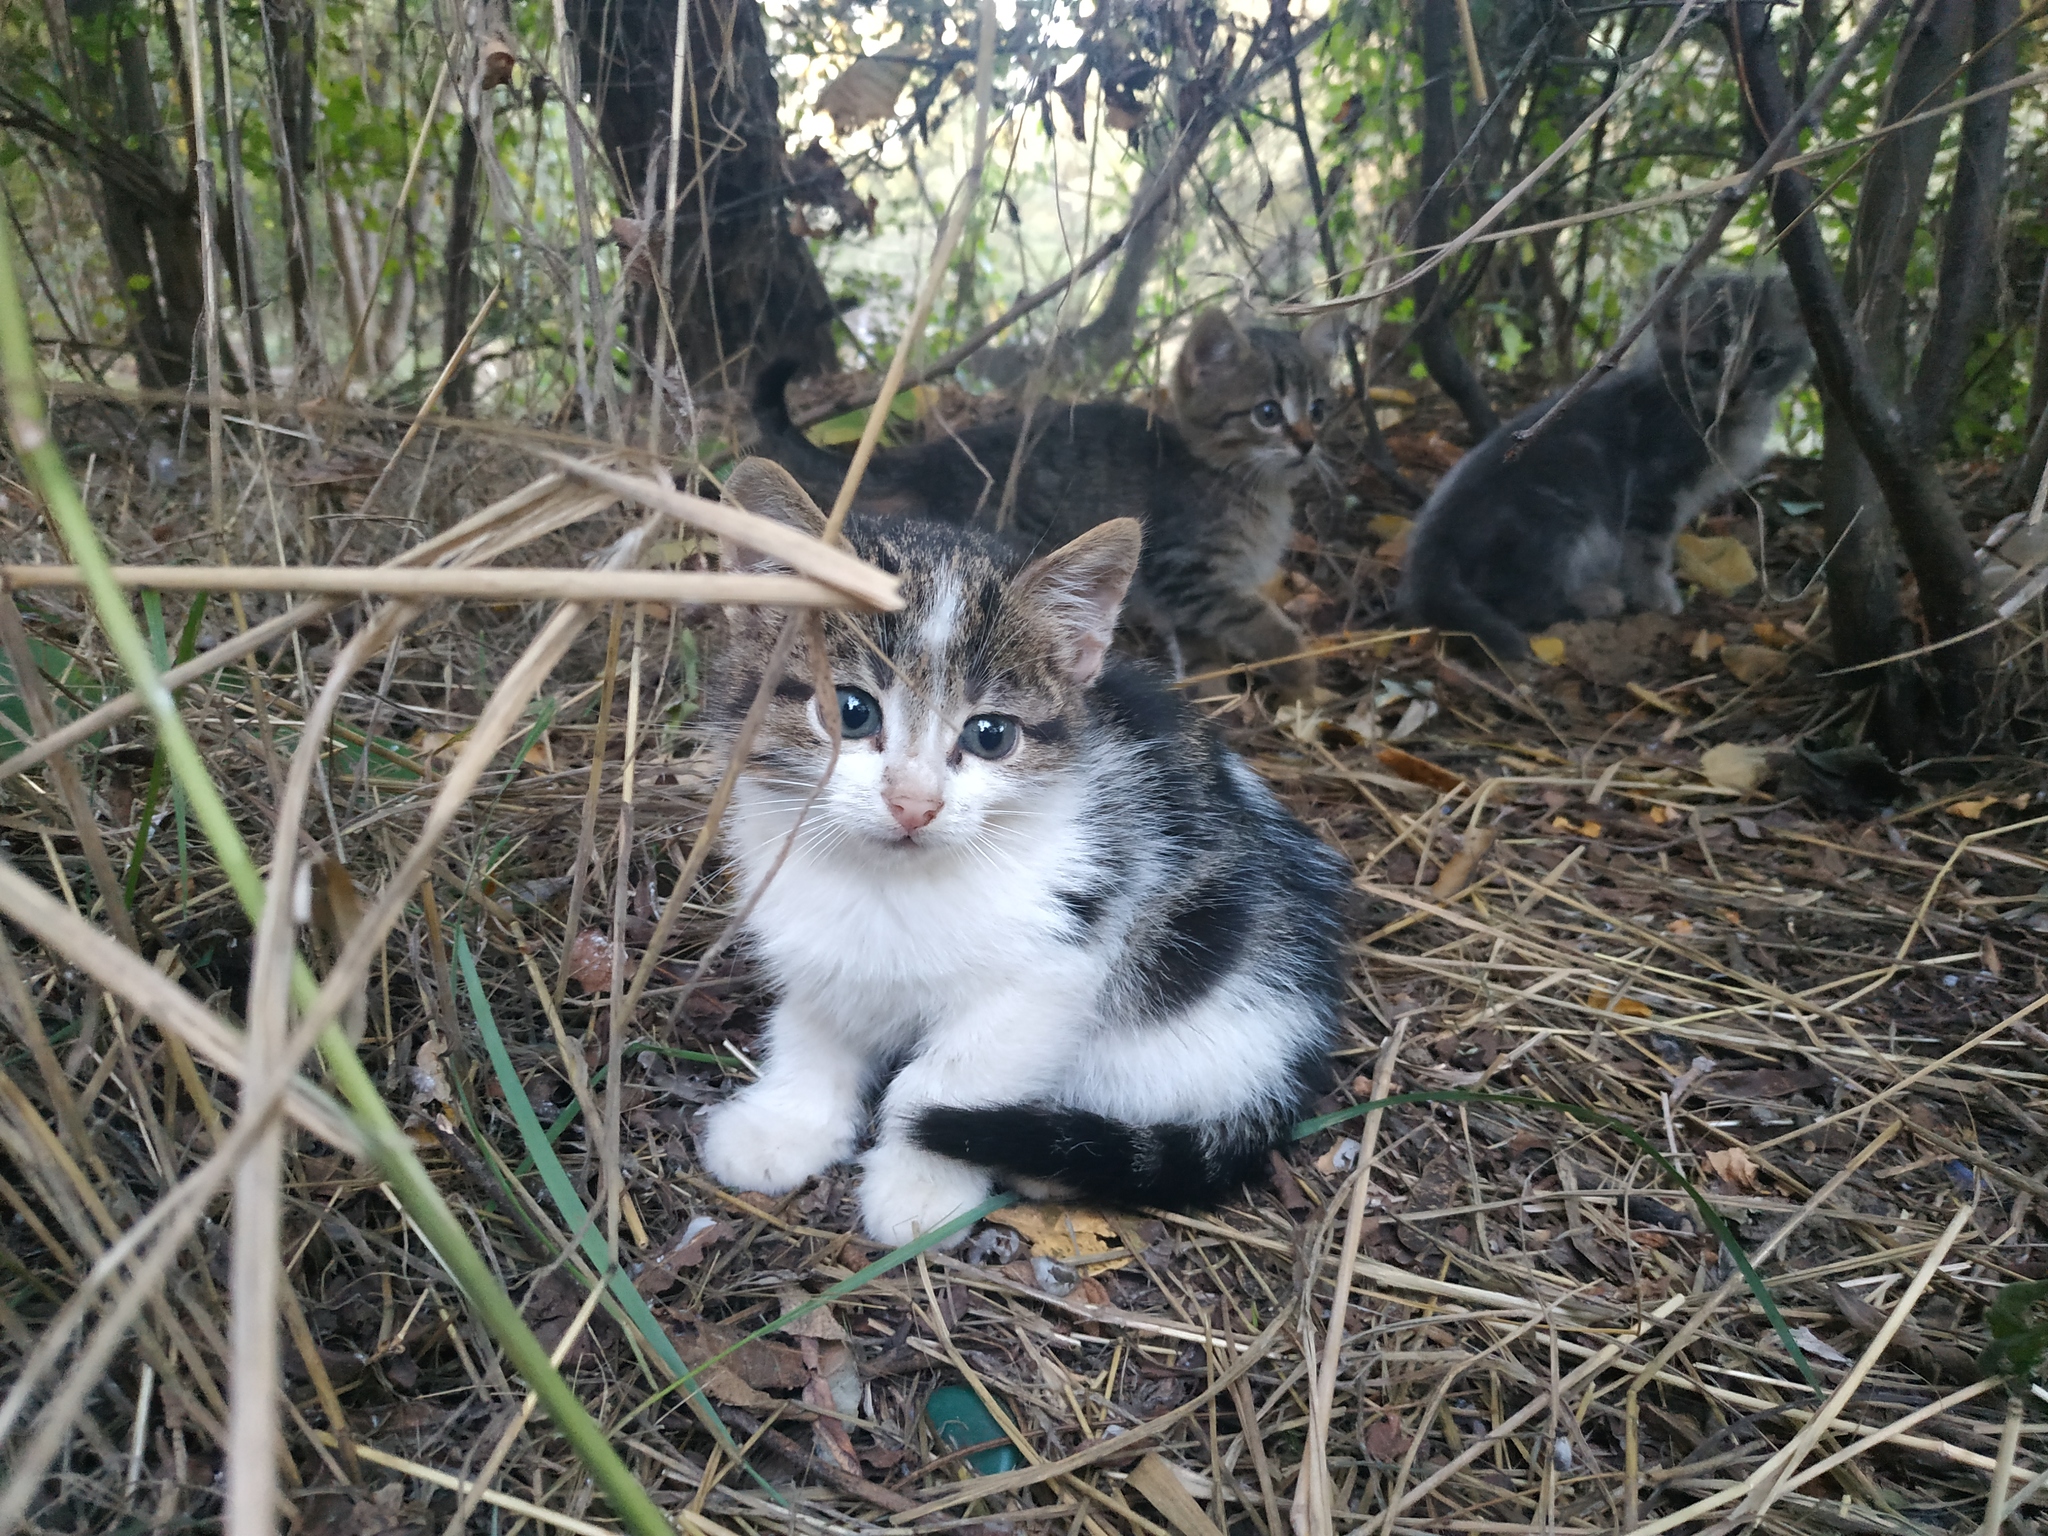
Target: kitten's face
<point x="957" y="716"/>
<point x="1732" y="342"/>
<point x="1251" y="399"/>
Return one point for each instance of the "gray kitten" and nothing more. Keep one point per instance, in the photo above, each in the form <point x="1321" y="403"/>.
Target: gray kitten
<point x="1038" y="925"/>
<point x="1580" y="523"/>
<point x="1213" y="487"/>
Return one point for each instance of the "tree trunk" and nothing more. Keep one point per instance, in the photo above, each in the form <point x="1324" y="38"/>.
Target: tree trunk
<point x="150" y="226"/>
<point x="458" y="305"/>
<point x="1971" y="230"/>
<point x="743" y="289"/>
<point x="1438" y="24"/>
<point x="236" y="227"/>
<point x="1864" y="613"/>
<point x="1921" y="513"/>
<point x="288" y="46"/>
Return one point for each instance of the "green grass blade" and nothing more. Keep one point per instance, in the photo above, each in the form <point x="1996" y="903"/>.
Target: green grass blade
<point x="575" y="1215"/>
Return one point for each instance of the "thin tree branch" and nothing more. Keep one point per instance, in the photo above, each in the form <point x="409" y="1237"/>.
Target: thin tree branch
<point x="1928" y="528"/>
<point x="1709" y="240"/>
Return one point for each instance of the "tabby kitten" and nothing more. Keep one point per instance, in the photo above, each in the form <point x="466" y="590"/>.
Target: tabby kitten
<point x="1580" y="523"/>
<point x="1039" y="927"/>
<point x="1213" y="487"/>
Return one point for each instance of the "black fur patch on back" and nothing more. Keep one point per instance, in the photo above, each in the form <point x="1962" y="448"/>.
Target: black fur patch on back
<point x="1085" y="905"/>
<point x="1200" y="943"/>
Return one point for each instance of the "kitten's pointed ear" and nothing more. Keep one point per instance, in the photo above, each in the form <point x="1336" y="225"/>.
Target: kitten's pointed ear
<point x="1080" y="587"/>
<point x="1326" y="334"/>
<point x="1213" y="344"/>
<point x="762" y="486"/>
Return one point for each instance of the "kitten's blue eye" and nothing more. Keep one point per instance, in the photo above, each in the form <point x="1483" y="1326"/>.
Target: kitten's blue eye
<point x="1315" y="412"/>
<point x="859" y="714"/>
<point x="1269" y="414"/>
<point x="990" y="736"/>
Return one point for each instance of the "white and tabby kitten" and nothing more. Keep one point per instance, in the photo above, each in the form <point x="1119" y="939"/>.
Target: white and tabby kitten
<point x="1580" y="523"/>
<point x="1213" y="484"/>
<point x="1040" y="927"/>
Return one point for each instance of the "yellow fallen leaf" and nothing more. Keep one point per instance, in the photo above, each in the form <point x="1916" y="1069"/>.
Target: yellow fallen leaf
<point x="1733" y="766"/>
<point x="1679" y="925"/>
<point x="1734" y="1166"/>
<point x="1706" y="642"/>
<point x="1729" y="915"/>
<point x="1721" y="565"/>
<point x="1774" y="635"/>
<point x="1418" y="770"/>
<point x="1388" y="525"/>
<point x="1381" y="394"/>
<point x="1628" y="1006"/>
<point x="1549" y="649"/>
<point x="1662" y="815"/>
<point x="1974" y="809"/>
<point x="1063" y="1232"/>
<point x="1753" y="663"/>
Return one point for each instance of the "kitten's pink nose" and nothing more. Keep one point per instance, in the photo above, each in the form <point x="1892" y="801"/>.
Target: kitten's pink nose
<point x="913" y="811"/>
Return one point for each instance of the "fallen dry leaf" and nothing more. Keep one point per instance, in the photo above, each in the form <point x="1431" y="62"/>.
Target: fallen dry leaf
<point x="1628" y="1006"/>
<point x="1733" y="1166"/>
<point x="1753" y="663"/>
<point x="1767" y="1083"/>
<point x="1386" y="1442"/>
<point x="1721" y="565"/>
<point x="1777" y="636"/>
<point x="1388" y="525"/>
<point x="865" y="92"/>
<point x="495" y="64"/>
<point x="1582" y="828"/>
<point x="1731" y="765"/>
<point x="1458" y="868"/>
<point x="1679" y="925"/>
<point x="589" y="961"/>
<point x="1706" y="642"/>
<point x="818" y="1323"/>
<point x="1973" y="810"/>
<point x="1063" y="1232"/>
<point x="1418" y="770"/>
<point x="1341" y="1158"/>
<point x="1548" y="649"/>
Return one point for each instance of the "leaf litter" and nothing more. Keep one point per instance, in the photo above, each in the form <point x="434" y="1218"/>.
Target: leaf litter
<point x="1565" y="891"/>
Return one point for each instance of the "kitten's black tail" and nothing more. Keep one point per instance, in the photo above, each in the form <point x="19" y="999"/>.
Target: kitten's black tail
<point x="817" y="470"/>
<point x="1442" y="600"/>
<point x="1092" y="1157"/>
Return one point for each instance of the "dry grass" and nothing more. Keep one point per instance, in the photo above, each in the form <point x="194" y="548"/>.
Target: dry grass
<point x="1833" y="1025"/>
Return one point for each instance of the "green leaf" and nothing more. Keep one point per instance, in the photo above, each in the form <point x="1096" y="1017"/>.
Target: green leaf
<point x="2018" y="1324"/>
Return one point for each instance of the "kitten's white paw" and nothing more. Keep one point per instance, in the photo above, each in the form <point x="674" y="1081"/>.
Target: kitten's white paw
<point x="904" y="1191"/>
<point x="757" y="1141"/>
